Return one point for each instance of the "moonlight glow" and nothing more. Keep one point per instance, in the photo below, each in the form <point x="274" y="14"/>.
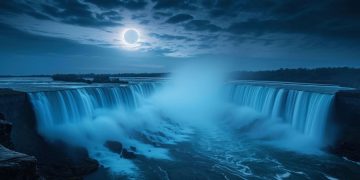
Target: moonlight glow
<point x="130" y="38"/>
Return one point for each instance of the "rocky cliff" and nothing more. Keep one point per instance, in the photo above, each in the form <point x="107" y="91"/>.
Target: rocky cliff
<point x="14" y="165"/>
<point x="347" y="112"/>
<point x="54" y="159"/>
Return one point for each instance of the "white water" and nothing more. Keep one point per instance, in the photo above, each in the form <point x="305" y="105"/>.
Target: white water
<point x="306" y="112"/>
<point x="88" y="117"/>
<point x="164" y="113"/>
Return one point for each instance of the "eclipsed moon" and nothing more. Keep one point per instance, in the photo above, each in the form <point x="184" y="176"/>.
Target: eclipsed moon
<point x="131" y="36"/>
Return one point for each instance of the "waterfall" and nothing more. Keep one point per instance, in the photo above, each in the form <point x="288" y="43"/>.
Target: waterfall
<point x="65" y="106"/>
<point x="306" y="112"/>
<point x="141" y="115"/>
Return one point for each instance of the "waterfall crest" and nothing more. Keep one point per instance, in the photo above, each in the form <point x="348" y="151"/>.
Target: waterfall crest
<point x="307" y="112"/>
<point x="57" y="107"/>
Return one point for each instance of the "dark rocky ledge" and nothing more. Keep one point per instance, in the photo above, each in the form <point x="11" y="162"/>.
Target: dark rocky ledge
<point x="347" y="119"/>
<point x="118" y="148"/>
<point x="55" y="160"/>
<point x="15" y="165"/>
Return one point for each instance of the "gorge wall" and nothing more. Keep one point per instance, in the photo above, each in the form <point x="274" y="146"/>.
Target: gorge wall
<point x="347" y="110"/>
<point x="52" y="158"/>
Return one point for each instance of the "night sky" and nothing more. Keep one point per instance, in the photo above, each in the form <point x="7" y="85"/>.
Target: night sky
<point x="86" y="36"/>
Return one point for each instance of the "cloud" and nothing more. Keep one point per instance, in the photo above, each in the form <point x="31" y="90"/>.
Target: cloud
<point x="179" y="18"/>
<point x="127" y="4"/>
<point x="160" y="15"/>
<point x="75" y="12"/>
<point x="168" y="23"/>
<point x="20" y="8"/>
<point x="175" y="4"/>
<point x="201" y="25"/>
<point x="170" y="37"/>
<point x="332" y="19"/>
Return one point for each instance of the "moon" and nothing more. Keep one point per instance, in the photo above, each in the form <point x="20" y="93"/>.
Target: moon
<point x="131" y="36"/>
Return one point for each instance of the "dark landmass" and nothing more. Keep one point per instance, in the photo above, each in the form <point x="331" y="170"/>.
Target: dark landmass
<point x="92" y="75"/>
<point x="87" y="79"/>
<point x="342" y="76"/>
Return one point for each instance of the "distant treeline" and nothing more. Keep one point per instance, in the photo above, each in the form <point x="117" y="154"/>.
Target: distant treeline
<point x="85" y="79"/>
<point x="92" y="75"/>
<point x="120" y="75"/>
<point x="343" y="76"/>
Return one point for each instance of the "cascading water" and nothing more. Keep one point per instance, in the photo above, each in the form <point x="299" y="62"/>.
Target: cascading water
<point x="65" y="106"/>
<point x="89" y="117"/>
<point x="306" y="112"/>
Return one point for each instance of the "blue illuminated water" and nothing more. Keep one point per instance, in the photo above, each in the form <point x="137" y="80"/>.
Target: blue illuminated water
<point x="239" y="130"/>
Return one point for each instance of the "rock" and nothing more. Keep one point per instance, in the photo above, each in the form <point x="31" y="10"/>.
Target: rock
<point x="117" y="147"/>
<point x="128" y="154"/>
<point x="114" y="146"/>
<point x="132" y="148"/>
<point x="14" y="165"/>
<point x="5" y="134"/>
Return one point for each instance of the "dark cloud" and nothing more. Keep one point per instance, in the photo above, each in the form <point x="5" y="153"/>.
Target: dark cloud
<point x="174" y="4"/>
<point x="138" y="16"/>
<point x="162" y="50"/>
<point x="67" y="11"/>
<point x="109" y="15"/>
<point x="179" y="18"/>
<point x="145" y="22"/>
<point x="201" y="25"/>
<point x="170" y="37"/>
<point x="75" y="12"/>
<point x="160" y="15"/>
<point x="259" y="22"/>
<point x="14" y="41"/>
<point x="20" y="8"/>
<point x="331" y="19"/>
<point x="11" y="6"/>
<point x="127" y="4"/>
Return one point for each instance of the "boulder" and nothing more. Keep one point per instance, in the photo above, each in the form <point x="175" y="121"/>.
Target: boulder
<point x="114" y="146"/>
<point x="15" y="165"/>
<point x="128" y="154"/>
<point x="117" y="147"/>
<point x="132" y="148"/>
